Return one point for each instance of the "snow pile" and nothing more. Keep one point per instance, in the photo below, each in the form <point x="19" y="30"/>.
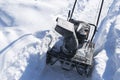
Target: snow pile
<point x="107" y="42"/>
<point x="14" y="53"/>
<point x="24" y="56"/>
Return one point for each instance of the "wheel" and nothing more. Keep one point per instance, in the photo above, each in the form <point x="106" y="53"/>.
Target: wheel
<point x="81" y="69"/>
<point x="48" y="59"/>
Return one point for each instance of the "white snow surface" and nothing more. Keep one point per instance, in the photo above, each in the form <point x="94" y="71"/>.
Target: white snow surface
<point x="27" y="32"/>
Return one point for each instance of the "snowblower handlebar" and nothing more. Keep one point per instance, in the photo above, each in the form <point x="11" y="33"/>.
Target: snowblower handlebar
<point x="70" y="13"/>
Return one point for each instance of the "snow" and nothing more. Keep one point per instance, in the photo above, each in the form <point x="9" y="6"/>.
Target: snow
<point x="27" y="32"/>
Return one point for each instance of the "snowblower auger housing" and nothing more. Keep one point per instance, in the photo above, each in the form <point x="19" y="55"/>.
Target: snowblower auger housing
<point x="77" y="49"/>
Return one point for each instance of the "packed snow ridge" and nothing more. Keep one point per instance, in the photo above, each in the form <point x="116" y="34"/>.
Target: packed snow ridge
<point x="27" y="32"/>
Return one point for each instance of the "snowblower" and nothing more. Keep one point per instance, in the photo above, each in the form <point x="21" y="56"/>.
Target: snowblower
<point x="77" y="49"/>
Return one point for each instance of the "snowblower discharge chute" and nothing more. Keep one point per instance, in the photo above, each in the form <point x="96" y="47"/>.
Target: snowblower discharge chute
<point x="77" y="49"/>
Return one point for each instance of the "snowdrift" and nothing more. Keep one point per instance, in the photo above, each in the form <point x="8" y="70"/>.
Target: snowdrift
<point x="24" y="56"/>
<point x="107" y="42"/>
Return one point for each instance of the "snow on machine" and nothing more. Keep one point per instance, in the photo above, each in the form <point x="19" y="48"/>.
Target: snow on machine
<point x="77" y="49"/>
